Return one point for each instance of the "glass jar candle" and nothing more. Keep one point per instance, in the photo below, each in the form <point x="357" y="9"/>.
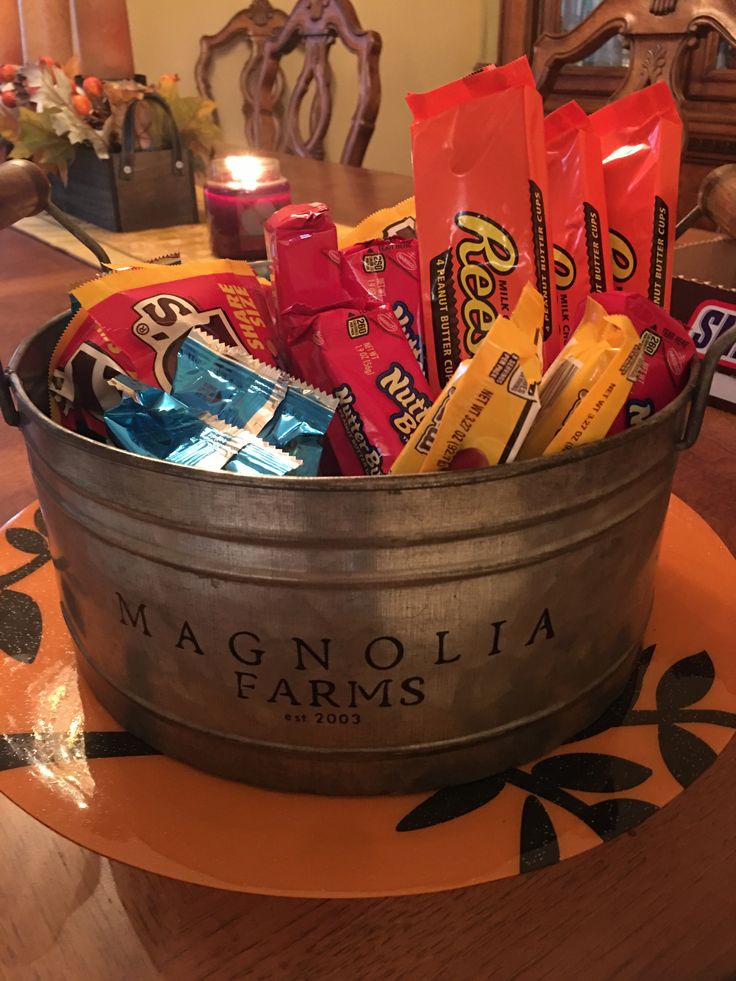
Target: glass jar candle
<point x="241" y="192"/>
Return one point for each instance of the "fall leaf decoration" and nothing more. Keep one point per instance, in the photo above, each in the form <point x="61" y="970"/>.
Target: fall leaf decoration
<point x="55" y="96"/>
<point x="38" y="140"/>
<point x="47" y="109"/>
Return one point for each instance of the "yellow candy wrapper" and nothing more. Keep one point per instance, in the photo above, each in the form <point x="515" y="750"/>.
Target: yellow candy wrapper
<point x="399" y="220"/>
<point x="587" y="385"/>
<point x="484" y="412"/>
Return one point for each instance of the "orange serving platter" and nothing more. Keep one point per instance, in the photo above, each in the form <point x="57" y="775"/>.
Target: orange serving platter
<point x="64" y="760"/>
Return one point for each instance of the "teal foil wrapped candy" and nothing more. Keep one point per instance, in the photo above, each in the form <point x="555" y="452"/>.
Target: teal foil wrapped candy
<point x="154" y="423"/>
<point x="243" y="392"/>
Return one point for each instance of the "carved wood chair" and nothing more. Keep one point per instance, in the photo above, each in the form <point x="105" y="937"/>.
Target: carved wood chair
<point x="254" y="26"/>
<point x="657" y="32"/>
<point x="315" y="25"/>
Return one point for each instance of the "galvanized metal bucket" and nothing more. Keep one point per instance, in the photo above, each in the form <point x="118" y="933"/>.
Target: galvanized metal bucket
<point x="354" y="635"/>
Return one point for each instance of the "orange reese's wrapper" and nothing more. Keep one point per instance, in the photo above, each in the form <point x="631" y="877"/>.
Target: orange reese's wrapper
<point x="480" y="182"/>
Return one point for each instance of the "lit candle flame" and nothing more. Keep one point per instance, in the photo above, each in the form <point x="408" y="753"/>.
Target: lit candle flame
<point x="246" y="172"/>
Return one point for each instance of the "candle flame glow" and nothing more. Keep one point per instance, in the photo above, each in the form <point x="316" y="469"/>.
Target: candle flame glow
<point x="246" y="171"/>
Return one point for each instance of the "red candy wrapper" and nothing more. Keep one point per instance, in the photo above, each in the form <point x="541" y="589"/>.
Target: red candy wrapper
<point x="667" y="348"/>
<point x="578" y="218"/>
<point x="388" y="269"/>
<point x="361" y="355"/>
<point x="339" y="338"/>
<point x="641" y="137"/>
<point x="133" y="323"/>
<point x="480" y="183"/>
<point x="298" y="237"/>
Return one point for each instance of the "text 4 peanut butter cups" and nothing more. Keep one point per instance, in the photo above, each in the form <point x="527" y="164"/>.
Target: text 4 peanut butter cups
<point x="480" y="182"/>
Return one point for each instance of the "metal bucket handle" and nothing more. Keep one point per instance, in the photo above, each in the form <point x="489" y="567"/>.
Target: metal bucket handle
<point x="700" y="393"/>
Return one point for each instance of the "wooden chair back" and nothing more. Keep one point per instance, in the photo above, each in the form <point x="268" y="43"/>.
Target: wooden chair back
<point x="314" y="26"/>
<point x="658" y="33"/>
<point x="253" y="26"/>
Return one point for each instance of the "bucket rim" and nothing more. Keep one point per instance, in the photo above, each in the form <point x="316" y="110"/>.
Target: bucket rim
<point x="363" y="482"/>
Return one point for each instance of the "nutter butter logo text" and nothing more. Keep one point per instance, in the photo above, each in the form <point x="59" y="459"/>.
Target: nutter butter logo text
<point x="369" y="456"/>
<point x="398" y="384"/>
<point x="488" y="251"/>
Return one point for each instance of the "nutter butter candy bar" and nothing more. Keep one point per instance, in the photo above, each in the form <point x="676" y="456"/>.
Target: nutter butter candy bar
<point x="133" y="323"/>
<point x="578" y="217"/>
<point x="399" y="221"/>
<point x="337" y="337"/>
<point x="388" y="269"/>
<point x="227" y="382"/>
<point x="484" y="413"/>
<point x="588" y="384"/>
<point x="361" y="355"/>
<point x="641" y="138"/>
<point x="298" y="239"/>
<point x="480" y="177"/>
<point x="667" y="350"/>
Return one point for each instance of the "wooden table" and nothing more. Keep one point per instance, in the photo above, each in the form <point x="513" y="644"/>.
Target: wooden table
<point x="658" y="902"/>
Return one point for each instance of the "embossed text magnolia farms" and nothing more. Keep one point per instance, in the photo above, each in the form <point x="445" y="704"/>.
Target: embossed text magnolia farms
<point x="302" y="656"/>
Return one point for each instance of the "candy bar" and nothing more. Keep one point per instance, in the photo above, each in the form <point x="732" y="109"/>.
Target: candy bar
<point x="227" y="382"/>
<point x="399" y="221"/>
<point x="298" y="239"/>
<point x="578" y="219"/>
<point x="211" y="377"/>
<point x="134" y="322"/>
<point x="641" y="137"/>
<point x="480" y="176"/>
<point x="361" y="355"/>
<point x="483" y="414"/>
<point x="153" y="423"/>
<point x="300" y="423"/>
<point x="339" y="338"/>
<point x="588" y="384"/>
<point x="667" y="350"/>
<point x="388" y="269"/>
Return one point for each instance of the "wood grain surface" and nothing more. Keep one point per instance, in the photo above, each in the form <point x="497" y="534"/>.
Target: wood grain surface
<point x="656" y="903"/>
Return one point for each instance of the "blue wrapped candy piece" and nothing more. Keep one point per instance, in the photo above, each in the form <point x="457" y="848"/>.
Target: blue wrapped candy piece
<point x="227" y="382"/>
<point x="247" y="394"/>
<point x="299" y="425"/>
<point x="154" y="423"/>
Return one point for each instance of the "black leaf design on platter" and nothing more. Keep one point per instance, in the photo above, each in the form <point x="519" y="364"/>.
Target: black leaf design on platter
<point x="617" y="711"/>
<point x="20" y="626"/>
<point x="539" y="845"/>
<point x="613" y="817"/>
<point x="451" y="803"/>
<point x="685" y="754"/>
<point x="594" y="772"/>
<point x="685" y="682"/>
<point x="554" y="780"/>
<point x="21" y="623"/>
<point x="26" y="540"/>
<point x="28" y="748"/>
